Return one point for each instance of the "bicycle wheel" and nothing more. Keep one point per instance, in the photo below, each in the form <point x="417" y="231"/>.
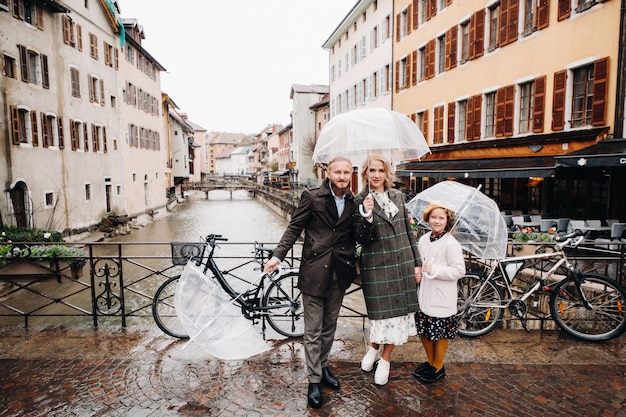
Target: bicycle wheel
<point x="164" y="312"/>
<point x="603" y="319"/>
<point x="478" y="312"/>
<point x="282" y="303"/>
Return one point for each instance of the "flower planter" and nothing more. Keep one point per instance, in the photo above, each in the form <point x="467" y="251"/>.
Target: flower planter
<point x="40" y="270"/>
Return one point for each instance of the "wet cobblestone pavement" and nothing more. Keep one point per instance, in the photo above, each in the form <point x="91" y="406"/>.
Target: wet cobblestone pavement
<point x="142" y="373"/>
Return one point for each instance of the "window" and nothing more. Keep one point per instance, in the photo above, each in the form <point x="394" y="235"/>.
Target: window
<point x="422" y="63"/>
<point x="77" y="133"/>
<point x="527" y="92"/>
<point x="49" y="130"/>
<point x="49" y="199"/>
<point x="441" y="54"/>
<point x="465" y="54"/>
<point x="8" y="67"/>
<point x="96" y="138"/>
<point x="462" y="113"/>
<point x="421" y="120"/>
<point x="403" y="73"/>
<point x="494" y="24"/>
<point x="28" y="11"/>
<point x="24" y="126"/>
<point x="130" y="54"/>
<point x="88" y="196"/>
<point x="72" y="33"/>
<point x="403" y="23"/>
<point x="75" y="82"/>
<point x="34" y="67"/>
<point x="93" y="46"/>
<point x="529" y="17"/>
<point x="490" y="114"/>
<point x="582" y="96"/>
<point x="110" y="53"/>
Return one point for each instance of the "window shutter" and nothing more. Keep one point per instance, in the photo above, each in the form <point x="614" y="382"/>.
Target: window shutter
<point x="73" y="135"/>
<point x="86" y="137"/>
<point x="104" y="139"/>
<point x="398" y="27"/>
<point x="414" y="68"/>
<point x="600" y="86"/>
<point x="24" y="63"/>
<point x="116" y="58"/>
<point x="558" y="100"/>
<point x="543" y="14"/>
<point x="397" y="76"/>
<point x="425" y="121"/>
<point x="453" y="46"/>
<point x="60" y="128"/>
<point x="504" y="21"/>
<point x="44" y="130"/>
<point x="33" y="122"/>
<point x="67" y="27"/>
<point x="79" y="37"/>
<point x="513" y="21"/>
<point x="451" y="114"/>
<point x="539" y="104"/>
<point x="476" y="114"/>
<point x="430" y="58"/>
<point x="564" y="9"/>
<point x="432" y="9"/>
<point x="415" y="16"/>
<point x="101" y="92"/>
<point x="15" y="125"/>
<point x="438" y="128"/>
<point x="94" y="138"/>
<point x="409" y="16"/>
<point x="39" y="14"/>
<point x="45" y="82"/>
<point x="478" y="45"/>
<point x="509" y="110"/>
<point x="500" y="99"/>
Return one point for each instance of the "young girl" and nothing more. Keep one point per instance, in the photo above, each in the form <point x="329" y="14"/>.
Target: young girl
<point x="443" y="265"/>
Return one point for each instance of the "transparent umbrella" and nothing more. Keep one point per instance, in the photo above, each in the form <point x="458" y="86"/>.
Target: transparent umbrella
<point x="480" y="228"/>
<point x="358" y="133"/>
<point x="212" y="320"/>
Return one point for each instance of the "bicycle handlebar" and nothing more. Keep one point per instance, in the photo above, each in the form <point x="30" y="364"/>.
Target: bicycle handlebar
<point x="572" y="239"/>
<point x="212" y="238"/>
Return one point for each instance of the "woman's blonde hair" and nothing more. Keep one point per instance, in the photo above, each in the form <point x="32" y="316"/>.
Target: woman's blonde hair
<point x="390" y="176"/>
<point x="449" y="214"/>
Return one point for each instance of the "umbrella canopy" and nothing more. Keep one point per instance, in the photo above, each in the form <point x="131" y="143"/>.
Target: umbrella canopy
<point x="212" y="320"/>
<point x="358" y="133"/>
<point x="480" y="228"/>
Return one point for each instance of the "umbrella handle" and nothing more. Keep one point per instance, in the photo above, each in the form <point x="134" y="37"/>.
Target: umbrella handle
<point x="362" y="211"/>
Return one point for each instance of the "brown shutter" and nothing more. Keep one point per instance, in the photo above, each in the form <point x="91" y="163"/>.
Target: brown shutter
<point x="45" y="82"/>
<point x="432" y="9"/>
<point x="86" y="137"/>
<point x="425" y="120"/>
<point x="448" y="48"/>
<point x="558" y="100"/>
<point x="104" y="139"/>
<point x="413" y="68"/>
<point x="415" y="14"/>
<point x="15" y="125"/>
<point x="24" y="63"/>
<point x="504" y="19"/>
<point x="476" y="114"/>
<point x="564" y="9"/>
<point x="512" y="31"/>
<point x="67" y="30"/>
<point x="116" y="58"/>
<point x="398" y="27"/>
<point x="509" y="110"/>
<point x="79" y="37"/>
<point x="539" y="105"/>
<point x="73" y="135"/>
<point x="600" y="88"/>
<point x="94" y="138"/>
<point x="44" y="130"/>
<point x="500" y="99"/>
<point x="479" y="33"/>
<point x="431" y="47"/>
<point x="39" y="14"/>
<point x="453" y="45"/>
<point x="543" y="14"/>
<point x="438" y="127"/>
<point x="33" y="123"/>
<point x="451" y="114"/>
<point x="101" y="92"/>
<point x="409" y="16"/>
<point x="397" y="76"/>
<point x="61" y="138"/>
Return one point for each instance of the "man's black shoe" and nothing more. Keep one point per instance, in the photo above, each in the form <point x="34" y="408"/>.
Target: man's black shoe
<point x="329" y="379"/>
<point x="419" y="371"/>
<point x="315" y="395"/>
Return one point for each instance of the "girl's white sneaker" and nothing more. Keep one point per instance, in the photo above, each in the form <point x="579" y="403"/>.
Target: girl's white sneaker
<point x="382" y="373"/>
<point x="368" y="361"/>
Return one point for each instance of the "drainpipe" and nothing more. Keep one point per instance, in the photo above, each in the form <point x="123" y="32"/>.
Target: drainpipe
<point x="620" y="93"/>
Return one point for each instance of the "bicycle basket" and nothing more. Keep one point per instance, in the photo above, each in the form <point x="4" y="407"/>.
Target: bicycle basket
<point x="182" y="252"/>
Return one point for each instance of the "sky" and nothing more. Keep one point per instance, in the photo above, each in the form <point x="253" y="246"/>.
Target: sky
<point x="230" y="64"/>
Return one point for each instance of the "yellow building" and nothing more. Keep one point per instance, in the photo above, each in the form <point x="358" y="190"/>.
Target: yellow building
<point x="525" y="97"/>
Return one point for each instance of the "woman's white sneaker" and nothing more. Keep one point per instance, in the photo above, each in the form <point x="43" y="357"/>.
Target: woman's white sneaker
<point x="381" y="376"/>
<point x="368" y="361"/>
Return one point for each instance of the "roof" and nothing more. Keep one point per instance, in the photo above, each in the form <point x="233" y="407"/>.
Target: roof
<point x="313" y="88"/>
<point x="226" y="138"/>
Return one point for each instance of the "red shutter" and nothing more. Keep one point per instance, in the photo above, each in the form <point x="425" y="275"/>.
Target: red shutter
<point x="398" y="27"/>
<point x="431" y="47"/>
<point x="512" y="31"/>
<point x="600" y="88"/>
<point x="543" y="14"/>
<point x="409" y="16"/>
<point x="451" y="114"/>
<point x="15" y="125"/>
<point x="558" y="100"/>
<point x="539" y="105"/>
<point x="397" y="76"/>
<point x="415" y="14"/>
<point x="564" y="9"/>
<point x="453" y="46"/>
<point x="504" y="19"/>
<point x="425" y="127"/>
<point x="33" y="123"/>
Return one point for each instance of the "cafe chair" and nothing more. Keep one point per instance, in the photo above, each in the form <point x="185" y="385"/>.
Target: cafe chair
<point x="545" y="225"/>
<point x="576" y="224"/>
<point x="593" y="223"/>
<point x="612" y="243"/>
<point x="562" y="225"/>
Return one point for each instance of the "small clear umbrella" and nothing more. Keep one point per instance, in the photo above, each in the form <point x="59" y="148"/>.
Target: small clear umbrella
<point x="212" y="320"/>
<point x="480" y="228"/>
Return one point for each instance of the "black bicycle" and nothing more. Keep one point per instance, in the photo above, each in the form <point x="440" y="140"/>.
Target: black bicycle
<point x="274" y="298"/>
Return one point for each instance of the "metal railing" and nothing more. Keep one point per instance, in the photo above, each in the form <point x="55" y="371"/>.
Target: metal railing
<point x="119" y="280"/>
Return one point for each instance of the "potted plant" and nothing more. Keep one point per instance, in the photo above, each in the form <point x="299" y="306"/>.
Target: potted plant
<point x="41" y="260"/>
<point x="526" y="237"/>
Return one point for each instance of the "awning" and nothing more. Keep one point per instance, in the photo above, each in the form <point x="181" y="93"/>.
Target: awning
<point x="606" y="153"/>
<point x="481" y="168"/>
